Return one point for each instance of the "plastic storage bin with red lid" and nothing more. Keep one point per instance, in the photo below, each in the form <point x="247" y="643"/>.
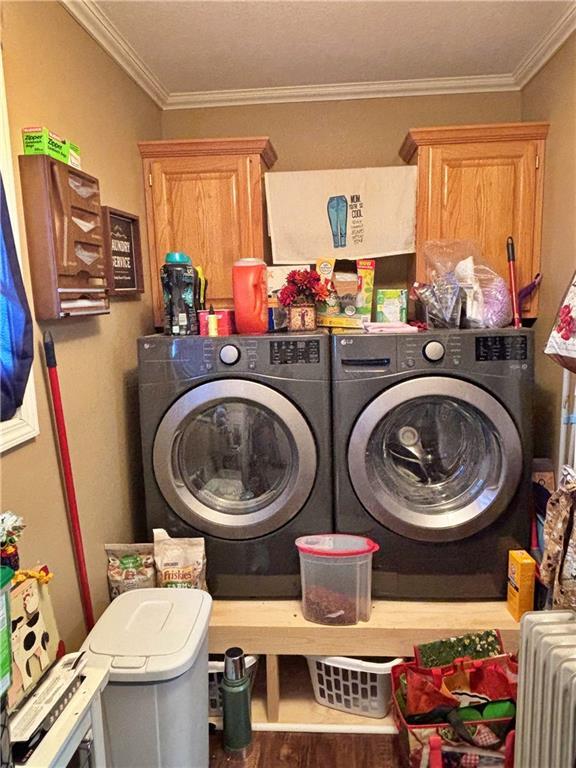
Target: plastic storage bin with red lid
<point x="336" y="572"/>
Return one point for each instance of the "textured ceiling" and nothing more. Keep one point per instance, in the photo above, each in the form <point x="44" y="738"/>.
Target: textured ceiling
<point x="213" y="45"/>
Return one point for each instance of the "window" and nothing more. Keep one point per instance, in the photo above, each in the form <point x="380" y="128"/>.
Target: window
<point x="24" y="425"/>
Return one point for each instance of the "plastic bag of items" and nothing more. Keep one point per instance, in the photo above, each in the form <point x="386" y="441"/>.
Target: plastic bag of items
<point x="463" y="292"/>
<point x="561" y="345"/>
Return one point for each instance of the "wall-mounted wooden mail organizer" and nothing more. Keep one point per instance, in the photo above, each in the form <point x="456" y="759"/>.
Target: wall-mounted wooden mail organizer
<point x="64" y="234"/>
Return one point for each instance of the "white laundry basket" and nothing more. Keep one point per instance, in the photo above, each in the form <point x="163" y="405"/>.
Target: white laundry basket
<point x="352" y="685"/>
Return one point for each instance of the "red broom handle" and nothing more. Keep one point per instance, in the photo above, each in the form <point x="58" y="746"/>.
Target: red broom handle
<point x="512" y="277"/>
<point x="74" y="520"/>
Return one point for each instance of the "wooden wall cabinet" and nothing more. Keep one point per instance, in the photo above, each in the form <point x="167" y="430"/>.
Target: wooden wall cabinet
<point x="483" y="183"/>
<point x="64" y="236"/>
<point x="205" y="197"/>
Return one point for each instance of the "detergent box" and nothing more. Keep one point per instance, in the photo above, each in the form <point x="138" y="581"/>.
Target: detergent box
<point x="521" y="580"/>
<point x="351" y="287"/>
<point x="391" y="305"/>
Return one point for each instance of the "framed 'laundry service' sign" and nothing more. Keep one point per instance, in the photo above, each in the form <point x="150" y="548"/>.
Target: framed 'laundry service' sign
<point x="121" y="232"/>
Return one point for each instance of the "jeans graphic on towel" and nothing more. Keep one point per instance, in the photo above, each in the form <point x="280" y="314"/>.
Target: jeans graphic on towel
<point x="338" y="217"/>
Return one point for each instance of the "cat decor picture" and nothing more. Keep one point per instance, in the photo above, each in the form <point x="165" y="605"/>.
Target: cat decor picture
<point x="122" y="252"/>
<point x="302" y="317"/>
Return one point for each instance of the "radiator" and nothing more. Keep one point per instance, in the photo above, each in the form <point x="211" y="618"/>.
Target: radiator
<point x="546" y="715"/>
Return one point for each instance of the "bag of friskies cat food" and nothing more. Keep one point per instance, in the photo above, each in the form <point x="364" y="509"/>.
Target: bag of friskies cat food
<point x="180" y="563"/>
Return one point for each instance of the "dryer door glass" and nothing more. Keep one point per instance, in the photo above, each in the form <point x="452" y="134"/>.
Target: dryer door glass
<point x="234" y="458"/>
<point x="435" y="459"/>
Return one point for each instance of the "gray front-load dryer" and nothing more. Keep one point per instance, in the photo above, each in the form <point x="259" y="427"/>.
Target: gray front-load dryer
<point x="236" y="449"/>
<point x="433" y="452"/>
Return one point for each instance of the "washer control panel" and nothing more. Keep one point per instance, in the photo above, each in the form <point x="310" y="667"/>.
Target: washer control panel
<point x="218" y="355"/>
<point x="253" y="355"/>
<point x="229" y="354"/>
<point x="294" y="351"/>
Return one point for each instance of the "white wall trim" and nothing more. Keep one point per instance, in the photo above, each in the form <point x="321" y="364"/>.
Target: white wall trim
<point x="341" y="91"/>
<point x="24" y="425"/>
<point x="99" y="26"/>
<point x="102" y="29"/>
<point x="546" y="48"/>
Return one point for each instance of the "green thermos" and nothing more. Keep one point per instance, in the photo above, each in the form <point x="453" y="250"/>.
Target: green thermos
<point x="235" y="688"/>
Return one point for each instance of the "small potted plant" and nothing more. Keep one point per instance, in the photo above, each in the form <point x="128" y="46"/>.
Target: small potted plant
<point x="11" y="527"/>
<point x="303" y="290"/>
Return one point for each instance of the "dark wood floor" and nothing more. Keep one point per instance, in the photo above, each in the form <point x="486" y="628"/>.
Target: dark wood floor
<point x="311" y="750"/>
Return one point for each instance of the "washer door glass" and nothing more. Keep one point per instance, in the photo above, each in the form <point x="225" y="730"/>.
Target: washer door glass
<point x="435" y="459"/>
<point x="234" y="458"/>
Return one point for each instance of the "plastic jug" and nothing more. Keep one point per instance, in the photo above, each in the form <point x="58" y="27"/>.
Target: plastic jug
<point x="250" y="296"/>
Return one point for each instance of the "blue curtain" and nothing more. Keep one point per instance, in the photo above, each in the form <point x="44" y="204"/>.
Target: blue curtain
<point x="16" y="337"/>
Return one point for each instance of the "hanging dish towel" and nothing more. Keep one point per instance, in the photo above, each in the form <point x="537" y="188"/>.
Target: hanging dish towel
<point x="558" y="568"/>
<point x="358" y="213"/>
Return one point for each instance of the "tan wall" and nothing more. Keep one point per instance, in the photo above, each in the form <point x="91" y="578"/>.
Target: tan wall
<point x="340" y="134"/>
<point x="551" y="96"/>
<point x="57" y="76"/>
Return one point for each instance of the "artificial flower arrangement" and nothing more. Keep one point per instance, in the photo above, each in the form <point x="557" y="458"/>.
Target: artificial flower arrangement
<point x="303" y="290"/>
<point x="303" y="286"/>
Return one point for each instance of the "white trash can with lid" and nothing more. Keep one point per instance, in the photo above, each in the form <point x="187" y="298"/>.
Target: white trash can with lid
<point x="155" y="706"/>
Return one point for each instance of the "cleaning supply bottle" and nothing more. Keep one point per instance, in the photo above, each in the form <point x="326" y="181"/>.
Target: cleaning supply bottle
<point x="235" y="688"/>
<point x="249" y="287"/>
<point x="201" y="288"/>
<point x="180" y="288"/>
<point x="212" y="322"/>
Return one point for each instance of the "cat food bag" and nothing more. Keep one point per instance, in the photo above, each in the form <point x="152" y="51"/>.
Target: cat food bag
<point x="180" y="563"/>
<point x="130" y="566"/>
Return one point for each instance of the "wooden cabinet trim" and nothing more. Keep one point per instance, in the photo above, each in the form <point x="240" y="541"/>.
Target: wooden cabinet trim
<point x="463" y="134"/>
<point x="258" y="145"/>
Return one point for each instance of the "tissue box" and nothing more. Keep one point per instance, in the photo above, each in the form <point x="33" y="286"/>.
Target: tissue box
<point x="351" y="286"/>
<point x="226" y="324"/>
<point x="41" y="141"/>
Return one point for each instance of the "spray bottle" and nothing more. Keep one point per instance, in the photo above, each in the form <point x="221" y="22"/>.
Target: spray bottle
<point x="235" y="689"/>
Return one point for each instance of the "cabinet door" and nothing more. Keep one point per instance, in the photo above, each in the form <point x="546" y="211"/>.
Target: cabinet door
<point x="203" y="206"/>
<point x="483" y="192"/>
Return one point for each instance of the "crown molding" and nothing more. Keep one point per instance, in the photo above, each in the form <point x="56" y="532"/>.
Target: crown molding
<point x="546" y="48"/>
<point x="341" y="91"/>
<point x="101" y="28"/>
<point x="98" y="25"/>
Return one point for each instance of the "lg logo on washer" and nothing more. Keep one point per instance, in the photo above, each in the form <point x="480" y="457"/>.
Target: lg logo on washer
<point x="346" y="341"/>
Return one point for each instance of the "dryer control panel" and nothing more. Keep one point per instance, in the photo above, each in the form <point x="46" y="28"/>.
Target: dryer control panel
<point x="491" y="348"/>
<point x="416" y="351"/>
<point x="499" y="352"/>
